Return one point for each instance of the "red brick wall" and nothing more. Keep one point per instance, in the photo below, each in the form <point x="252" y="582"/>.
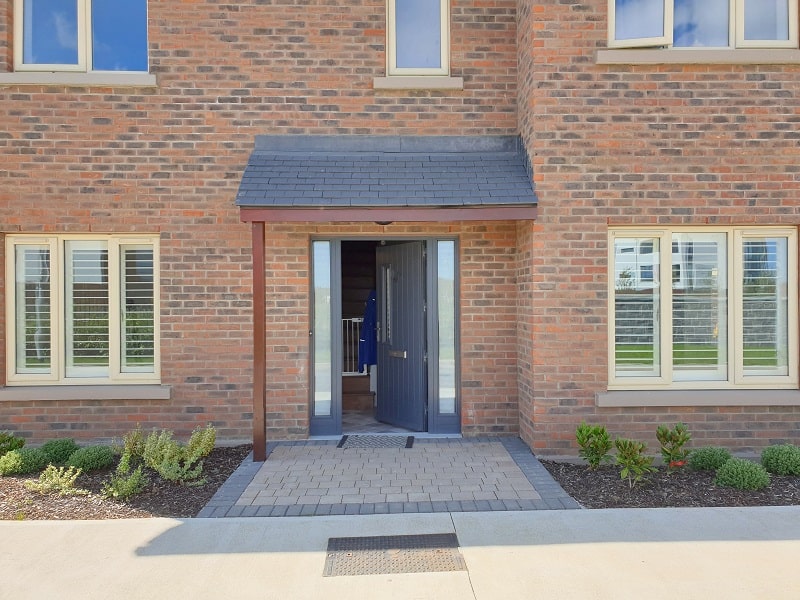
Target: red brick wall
<point x="168" y="160"/>
<point x="623" y="145"/>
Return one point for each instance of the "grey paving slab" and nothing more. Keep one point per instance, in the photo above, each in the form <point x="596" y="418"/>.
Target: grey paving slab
<point x="315" y="478"/>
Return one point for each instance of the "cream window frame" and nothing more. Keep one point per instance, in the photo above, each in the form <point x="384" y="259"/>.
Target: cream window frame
<point x="735" y="30"/>
<point x="391" y="44"/>
<point x="84" y="40"/>
<point x="736" y="379"/>
<point x="57" y="289"/>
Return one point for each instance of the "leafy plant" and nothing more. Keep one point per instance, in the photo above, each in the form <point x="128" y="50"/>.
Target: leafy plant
<point x="133" y="443"/>
<point x="781" y="459"/>
<point x="742" y="474"/>
<point x="708" y="458"/>
<point x="595" y="444"/>
<point x="58" y="451"/>
<point x="92" y="458"/>
<point x="125" y="483"/>
<point x="57" y="480"/>
<point x="23" y="461"/>
<point x="9" y="441"/>
<point x="634" y="463"/>
<point x="672" y="444"/>
<point x="175" y="462"/>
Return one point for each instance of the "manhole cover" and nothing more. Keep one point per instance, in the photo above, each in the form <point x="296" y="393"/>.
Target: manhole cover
<point x="376" y="441"/>
<point x="393" y="554"/>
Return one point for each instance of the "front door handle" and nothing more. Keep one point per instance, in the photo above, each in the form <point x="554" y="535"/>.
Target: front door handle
<point x="398" y="353"/>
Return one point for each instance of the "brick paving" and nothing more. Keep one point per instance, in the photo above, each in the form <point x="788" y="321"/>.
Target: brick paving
<point x="435" y="475"/>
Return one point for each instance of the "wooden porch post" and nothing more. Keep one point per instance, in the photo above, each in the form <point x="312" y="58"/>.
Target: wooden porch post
<point x="259" y="345"/>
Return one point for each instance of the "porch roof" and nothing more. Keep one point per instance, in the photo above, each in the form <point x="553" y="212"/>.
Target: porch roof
<point x="390" y="172"/>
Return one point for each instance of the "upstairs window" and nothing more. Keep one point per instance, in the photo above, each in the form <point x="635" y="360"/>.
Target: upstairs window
<point x="418" y="37"/>
<point x="80" y="35"/>
<point x="703" y="23"/>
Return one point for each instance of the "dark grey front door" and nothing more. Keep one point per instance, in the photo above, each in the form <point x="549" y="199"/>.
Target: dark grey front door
<point x="402" y="389"/>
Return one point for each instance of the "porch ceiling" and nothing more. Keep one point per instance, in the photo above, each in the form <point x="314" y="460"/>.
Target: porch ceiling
<point x="292" y="178"/>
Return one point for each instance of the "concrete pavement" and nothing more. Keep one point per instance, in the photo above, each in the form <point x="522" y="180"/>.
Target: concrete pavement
<point x="731" y="553"/>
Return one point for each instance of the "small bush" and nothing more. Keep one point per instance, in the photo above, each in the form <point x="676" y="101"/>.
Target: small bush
<point x="9" y="441"/>
<point x="133" y="444"/>
<point x="782" y="459"/>
<point x="179" y="463"/>
<point x="202" y="441"/>
<point x="58" y="451"/>
<point x="124" y="482"/>
<point x="708" y="458"/>
<point x="742" y="474"/>
<point x="594" y="443"/>
<point x="672" y="444"/>
<point x="632" y="460"/>
<point x="57" y="480"/>
<point x="23" y="461"/>
<point x="92" y="458"/>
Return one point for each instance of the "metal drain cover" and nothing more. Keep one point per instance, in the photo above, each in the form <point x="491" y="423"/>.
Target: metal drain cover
<point x="391" y="554"/>
<point x="376" y="441"/>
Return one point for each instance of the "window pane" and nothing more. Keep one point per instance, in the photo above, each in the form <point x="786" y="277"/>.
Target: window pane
<point x="418" y="30"/>
<point x="765" y="306"/>
<point x="86" y="265"/>
<point x="33" y="309"/>
<point x="699" y="307"/>
<point x="323" y="376"/>
<point x="119" y="35"/>
<point x="636" y="307"/>
<point x="50" y="32"/>
<point x="766" y="20"/>
<point x="635" y="19"/>
<point x="701" y="23"/>
<point x="447" y="326"/>
<point x="137" y="336"/>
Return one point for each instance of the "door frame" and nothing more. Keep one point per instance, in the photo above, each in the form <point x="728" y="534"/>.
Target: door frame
<point x="329" y="425"/>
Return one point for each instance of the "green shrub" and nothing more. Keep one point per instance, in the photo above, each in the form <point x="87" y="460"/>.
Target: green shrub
<point x="782" y="459"/>
<point x="594" y="443"/>
<point x="202" y="441"/>
<point x="58" y="451"/>
<point x="9" y="441"/>
<point x="124" y="482"/>
<point x="634" y="463"/>
<point x="23" y="461"/>
<point x="57" y="480"/>
<point x="708" y="458"/>
<point x="133" y="443"/>
<point x="175" y="462"/>
<point x="742" y="474"/>
<point x="92" y="458"/>
<point x="672" y="444"/>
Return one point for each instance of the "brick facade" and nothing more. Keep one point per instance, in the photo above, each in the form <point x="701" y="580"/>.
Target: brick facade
<point x="638" y="145"/>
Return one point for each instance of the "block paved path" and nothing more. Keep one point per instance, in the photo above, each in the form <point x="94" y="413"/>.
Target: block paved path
<point x="435" y="475"/>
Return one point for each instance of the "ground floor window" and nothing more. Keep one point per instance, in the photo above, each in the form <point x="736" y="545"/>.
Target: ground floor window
<point x="703" y="307"/>
<point x="82" y="309"/>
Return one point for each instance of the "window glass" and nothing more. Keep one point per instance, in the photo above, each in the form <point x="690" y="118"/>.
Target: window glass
<point x="636" y="19"/>
<point x="50" y="32"/>
<point x="33" y="327"/>
<point x="765" y="306"/>
<point x="137" y="321"/>
<point x="446" y="302"/>
<point x="701" y="23"/>
<point x="700" y="308"/>
<point x="87" y="309"/>
<point x="119" y="35"/>
<point x="418" y="30"/>
<point x="323" y="375"/>
<point x="637" y="339"/>
<point x="766" y="20"/>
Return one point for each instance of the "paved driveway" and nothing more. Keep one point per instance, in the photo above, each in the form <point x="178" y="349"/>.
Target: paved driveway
<point x="433" y="475"/>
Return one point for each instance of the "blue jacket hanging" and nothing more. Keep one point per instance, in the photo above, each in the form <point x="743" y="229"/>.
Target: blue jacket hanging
<point x="368" y="341"/>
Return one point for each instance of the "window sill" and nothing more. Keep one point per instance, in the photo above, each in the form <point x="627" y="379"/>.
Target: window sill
<point x="420" y="82"/>
<point x="692" y="56"/>
<point x="645" y="398"/>
<point x="79" y="79"/>
<point x="85" y="392"/>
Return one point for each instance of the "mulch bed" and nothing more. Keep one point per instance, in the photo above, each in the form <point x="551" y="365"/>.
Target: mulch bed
<point x="603" y="488"/>
<point x="160" y="499"/>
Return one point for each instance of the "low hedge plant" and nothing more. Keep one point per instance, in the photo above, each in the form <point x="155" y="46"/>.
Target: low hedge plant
<point x="742" y="474"/>
<point x="58" y="451"/>
<point x="23" y="461"/>
<point x="92" y="458"/>
<point x="781" y="459"/>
